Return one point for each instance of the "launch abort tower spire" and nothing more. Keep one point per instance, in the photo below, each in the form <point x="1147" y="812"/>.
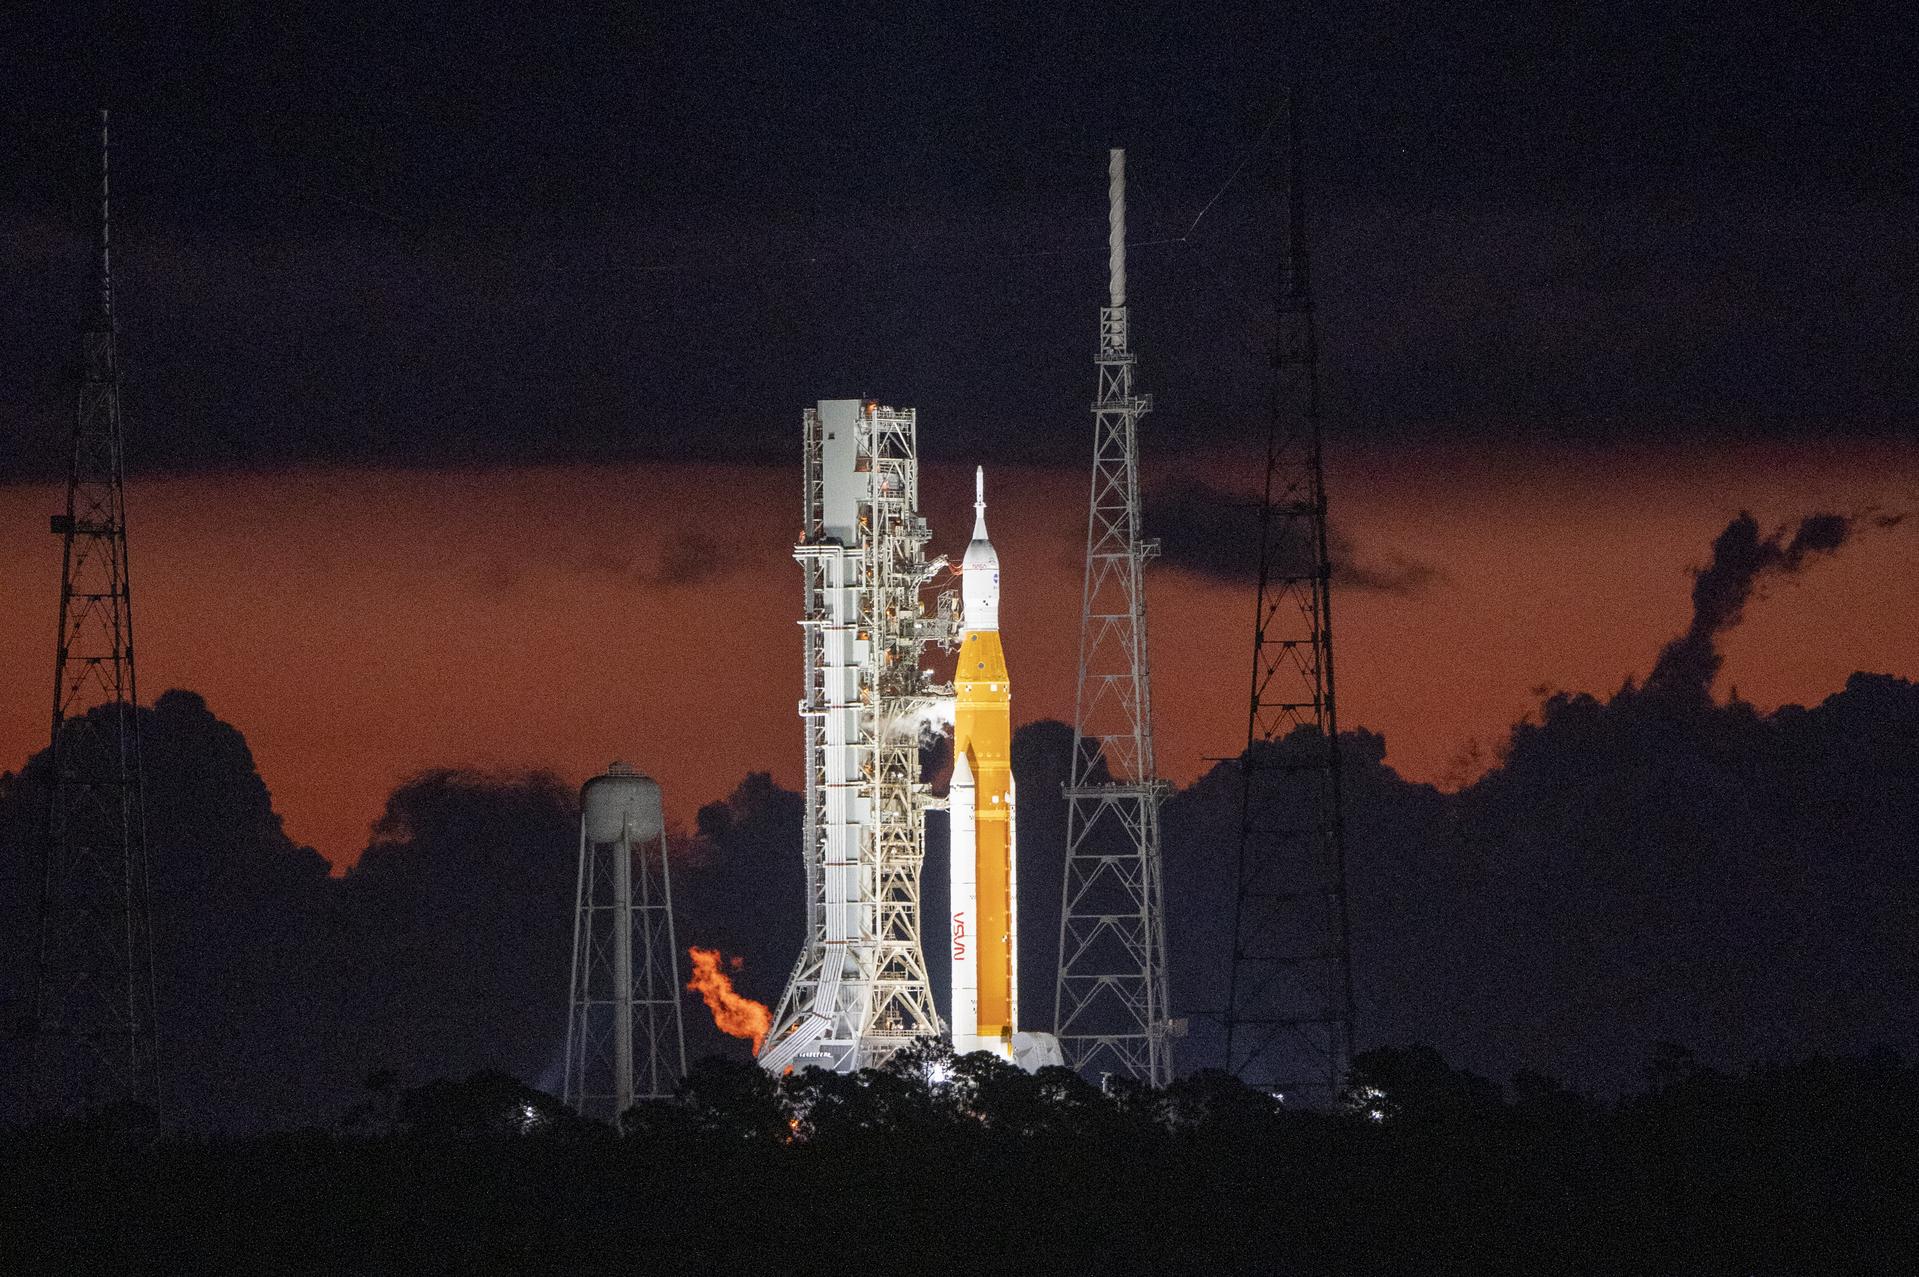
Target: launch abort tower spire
<point x="860" y="991"/>
<point x="1110" y="1005"/>
<point x="1289" y="1013"/>
<point x="95" y="1040"/>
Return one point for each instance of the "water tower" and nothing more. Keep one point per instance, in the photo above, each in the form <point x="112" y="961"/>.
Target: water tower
<point x="625" y="1040"/>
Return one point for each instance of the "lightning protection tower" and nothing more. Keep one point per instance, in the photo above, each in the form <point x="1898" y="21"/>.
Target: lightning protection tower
<point x="93" y="1018"/>
<point x="1289" y="1015"/>
<point x="625" y="1037"/>
<point x="1110" y="1004"/>
<point x="859" y="991"/>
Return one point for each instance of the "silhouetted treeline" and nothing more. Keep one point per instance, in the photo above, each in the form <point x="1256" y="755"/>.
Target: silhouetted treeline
<point x="971" y="1165"/>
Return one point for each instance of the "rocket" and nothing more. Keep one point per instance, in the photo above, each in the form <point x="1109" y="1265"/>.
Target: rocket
<point x="984" y="903"/>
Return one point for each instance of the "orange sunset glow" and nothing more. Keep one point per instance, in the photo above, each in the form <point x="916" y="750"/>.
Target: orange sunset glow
<point x="361" y="625"/>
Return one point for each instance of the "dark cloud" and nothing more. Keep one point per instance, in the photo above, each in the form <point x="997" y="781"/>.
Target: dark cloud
<point x="1625" y="874"/>
<point x="243" y="961"/>
<point x="453" y="929"/>
<point x="1214" y="533"/>
<point x="1634" y="870"/>
<point x="1741" y="558"/>
<point x="744" y="876"/>
<point x="694" y="558"/>
<point x="685" y="557"/>
<point x="1390" y="573"/>
<point x="1653" y="867"/>
<point x="357" y="234"/>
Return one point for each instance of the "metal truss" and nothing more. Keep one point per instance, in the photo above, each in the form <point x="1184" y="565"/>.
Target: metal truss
<point x="1111" y="1005"/>
<point x="93" y="1019"/>
<point x="860" y="990"/>
<point x="1289" y="1016"/>
<point x="625" y="1032"/>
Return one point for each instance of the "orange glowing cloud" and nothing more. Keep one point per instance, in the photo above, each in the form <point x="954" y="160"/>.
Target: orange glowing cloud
<point x="736" y="1016"/>
<point x="396" y="621"/>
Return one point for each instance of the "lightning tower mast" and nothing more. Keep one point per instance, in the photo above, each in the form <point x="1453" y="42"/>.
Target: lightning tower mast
<point x="1289" y="1015"/>
<point x="93" y="1019"/>
<point x="1110" y="1003"/>
<point x="860" y="991"/>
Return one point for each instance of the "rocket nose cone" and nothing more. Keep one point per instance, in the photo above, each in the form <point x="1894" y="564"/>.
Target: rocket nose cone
<point x="979" y="567"/>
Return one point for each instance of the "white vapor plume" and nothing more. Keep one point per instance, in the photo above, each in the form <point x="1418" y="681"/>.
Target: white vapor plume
<point x="928" y="719"/>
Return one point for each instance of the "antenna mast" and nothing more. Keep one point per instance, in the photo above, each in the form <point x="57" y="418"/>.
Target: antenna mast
<point x="93" y="1017"/>
<point x="1110" y="1005"/>
<point x="1289" y="1012"/>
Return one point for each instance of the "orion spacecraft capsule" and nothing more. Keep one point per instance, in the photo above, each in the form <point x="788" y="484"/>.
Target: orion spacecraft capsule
<point x="984" y="862"/>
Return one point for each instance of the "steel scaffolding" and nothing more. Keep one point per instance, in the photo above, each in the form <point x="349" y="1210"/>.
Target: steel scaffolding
<point x="93" y="1019"/>
<point x="1289" y="1015"/>
<point x="859" y="991"/>
<point x="1110" y="1006"/>
<point x="625" y="1032"/>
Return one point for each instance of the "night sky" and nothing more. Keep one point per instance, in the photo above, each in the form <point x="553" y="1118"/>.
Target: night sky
<point x="465" y="353"/>
<point x="652" y="231"/>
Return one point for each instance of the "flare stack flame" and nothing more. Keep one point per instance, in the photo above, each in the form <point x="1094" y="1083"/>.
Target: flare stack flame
<point x="736" y="1015"/>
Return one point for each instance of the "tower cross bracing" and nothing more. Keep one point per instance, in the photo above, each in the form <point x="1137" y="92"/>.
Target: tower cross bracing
<point x="1289" y="1015"/>
<point x="626" y="1032"/>
<point x="1111" y="998"/>
<point x="93" y="1020"/>
<point x="859" y="990"/>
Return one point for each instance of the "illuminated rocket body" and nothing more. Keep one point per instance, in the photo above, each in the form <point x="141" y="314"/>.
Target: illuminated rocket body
<point x="983" y="861"/>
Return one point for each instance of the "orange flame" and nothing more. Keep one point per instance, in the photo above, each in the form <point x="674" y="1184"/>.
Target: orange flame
<point x="737" y="1016"/>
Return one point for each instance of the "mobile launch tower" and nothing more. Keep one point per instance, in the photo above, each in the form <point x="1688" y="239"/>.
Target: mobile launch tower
<point x="860" y="991"/>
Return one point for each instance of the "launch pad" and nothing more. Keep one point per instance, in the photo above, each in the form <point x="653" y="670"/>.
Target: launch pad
<point x="859" y="991"/>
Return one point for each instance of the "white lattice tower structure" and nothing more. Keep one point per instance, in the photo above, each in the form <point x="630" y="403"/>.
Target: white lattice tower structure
<point x="859" y="991"/>
<point x="1110" y="1004"/>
